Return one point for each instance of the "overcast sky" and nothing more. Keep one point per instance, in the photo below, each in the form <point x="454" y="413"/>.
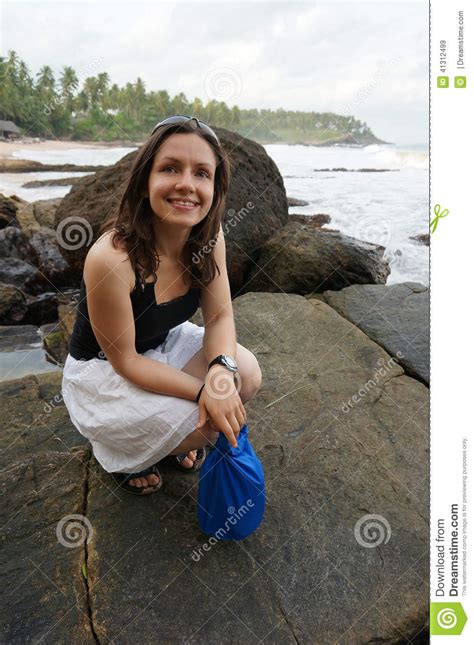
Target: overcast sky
<point x="369" y="59"/>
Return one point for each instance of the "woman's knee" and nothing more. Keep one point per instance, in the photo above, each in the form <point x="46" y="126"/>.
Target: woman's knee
<point x="251" y="381"/>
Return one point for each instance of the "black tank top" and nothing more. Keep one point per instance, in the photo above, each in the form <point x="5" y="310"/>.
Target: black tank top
<point x="152" y="321"/>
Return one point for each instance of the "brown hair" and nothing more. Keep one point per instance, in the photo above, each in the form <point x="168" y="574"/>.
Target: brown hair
<point x="132" y="224"/>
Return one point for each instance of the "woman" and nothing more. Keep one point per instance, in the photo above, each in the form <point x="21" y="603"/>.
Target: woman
<point x="141" y="381"/>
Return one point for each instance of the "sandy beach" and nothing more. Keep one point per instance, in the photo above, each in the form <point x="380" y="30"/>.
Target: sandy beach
<point x="7" y="149"/>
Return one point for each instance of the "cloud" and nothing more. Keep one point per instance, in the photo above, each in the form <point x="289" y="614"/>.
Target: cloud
<point x="294" y="55"/>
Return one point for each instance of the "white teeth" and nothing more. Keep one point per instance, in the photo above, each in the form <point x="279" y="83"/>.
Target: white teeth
<point x="175" y="201"/>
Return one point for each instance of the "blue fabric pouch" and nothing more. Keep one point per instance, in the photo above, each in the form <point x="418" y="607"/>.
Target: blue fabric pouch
<point x="231" y="497"/>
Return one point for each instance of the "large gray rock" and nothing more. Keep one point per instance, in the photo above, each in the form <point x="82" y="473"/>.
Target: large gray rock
<point x="46" y="594"/>
<point x="397" y="317"/>
<point x="256" y="204"/>
<point x="302" y="259"/>
<point x="13" y="304"/>
<point x="18" y="272"/>
<point x="333" y="458"/>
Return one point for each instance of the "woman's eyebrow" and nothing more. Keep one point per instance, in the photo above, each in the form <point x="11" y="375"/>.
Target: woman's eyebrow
<point x="199" y="163"/>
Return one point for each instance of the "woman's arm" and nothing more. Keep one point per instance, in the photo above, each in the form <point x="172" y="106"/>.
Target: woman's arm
<point x="111" y="315"/>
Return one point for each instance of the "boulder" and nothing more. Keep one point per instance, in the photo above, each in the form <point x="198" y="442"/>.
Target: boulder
<point x="334" y="462"/>
<point x="422" y="238"/>
<point x="302" y="259"/>
<point x="293" y="201"/>
<point x="397" y="317"/>
<point x="42" y="308"/>
<point x="18" y="272"/>
<point x="256" y="205"/>
<point x="25" y="215"/>
<point x="317" y="220"/>
<point x="15" y="244"/>
<point x="7" y="212"/>
<point x="44" y="209"/>
<point x="54" y="270"/>
<point x="12" y="304"/>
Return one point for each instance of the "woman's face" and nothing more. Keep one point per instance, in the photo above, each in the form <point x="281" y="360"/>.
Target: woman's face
<point x="183" y="169"/>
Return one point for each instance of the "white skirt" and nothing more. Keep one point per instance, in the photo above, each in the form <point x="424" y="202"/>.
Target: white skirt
<point x="128" y="427"/>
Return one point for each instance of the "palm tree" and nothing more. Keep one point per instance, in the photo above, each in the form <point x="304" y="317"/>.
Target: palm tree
<point x="69" y="83"/>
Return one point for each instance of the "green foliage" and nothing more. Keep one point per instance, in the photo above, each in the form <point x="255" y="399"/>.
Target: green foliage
<point x="99" y="110"/>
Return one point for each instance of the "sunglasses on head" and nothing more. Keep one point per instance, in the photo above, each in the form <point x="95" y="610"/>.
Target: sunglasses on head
<point x="181" y="118"/>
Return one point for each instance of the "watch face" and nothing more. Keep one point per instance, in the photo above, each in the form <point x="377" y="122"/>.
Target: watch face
<point x="230" y="362"/>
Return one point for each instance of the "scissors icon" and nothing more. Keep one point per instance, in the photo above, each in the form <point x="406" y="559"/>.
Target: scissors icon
<point x="438" y="216"/>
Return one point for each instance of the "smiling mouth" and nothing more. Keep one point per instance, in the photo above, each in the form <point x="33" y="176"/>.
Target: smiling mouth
<point x="180" y="202"/>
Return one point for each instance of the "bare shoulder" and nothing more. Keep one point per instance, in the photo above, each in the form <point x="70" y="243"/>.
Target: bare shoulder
<point x="104" y="257"/>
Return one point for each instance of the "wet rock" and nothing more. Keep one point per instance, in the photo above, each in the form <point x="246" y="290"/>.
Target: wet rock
<point x="316" y="221"/>
<point x="64" y="181"/>
<point x="423" y="238"/>
<point x="301" y="259"/>
<point x="44" y="210"/>
<point x="292" y="201"/>
<point x="7" y="212"/>
<point x="12" y="304"/>
<point x="14" y="244"/>
<point x="397" y="317"/>
<point x="17" y="272"/>
<point x="42" y="308"/>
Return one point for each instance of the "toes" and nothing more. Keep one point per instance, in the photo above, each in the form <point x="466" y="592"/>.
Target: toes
<point x="187" y="462"/>
<point x="153" y="480"/>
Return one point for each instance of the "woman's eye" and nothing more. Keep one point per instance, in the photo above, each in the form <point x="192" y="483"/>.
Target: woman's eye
<point x="168" y="168"/>
<point x="205" y="173"/>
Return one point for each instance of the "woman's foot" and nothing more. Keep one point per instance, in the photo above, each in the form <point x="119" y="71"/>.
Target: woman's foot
<point x="152" y="480"/>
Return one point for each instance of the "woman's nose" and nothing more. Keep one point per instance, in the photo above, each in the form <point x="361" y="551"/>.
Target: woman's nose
<point x="185" y="181"/>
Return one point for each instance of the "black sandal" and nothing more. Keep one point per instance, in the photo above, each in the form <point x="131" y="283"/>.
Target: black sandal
<point x="200" y="457"/>
<point x="122" y="480"/>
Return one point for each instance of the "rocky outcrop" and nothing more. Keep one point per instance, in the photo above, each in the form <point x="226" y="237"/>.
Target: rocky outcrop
<point x="29" y="253"/>
<point x="293" y="201"/>
<point x="316" y="221"/>
<point x="7" y="212"/>
<point x="397" y="317"/>
<point x="334" y="460"/>
<point x="302" y="259"/>
<point x="63" y="181"/>
<point x="26" y="165"/>
<point x="422" y="238"/>
<point x="255" y="207"/>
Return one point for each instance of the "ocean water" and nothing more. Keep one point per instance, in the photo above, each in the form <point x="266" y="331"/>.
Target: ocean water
<point x="385" y="208"/>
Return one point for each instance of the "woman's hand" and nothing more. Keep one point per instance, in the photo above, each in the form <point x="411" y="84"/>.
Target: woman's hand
<point x="221" y="401"/>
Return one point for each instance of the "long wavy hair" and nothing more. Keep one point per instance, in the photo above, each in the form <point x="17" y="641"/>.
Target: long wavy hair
<point x="132" y="223"/>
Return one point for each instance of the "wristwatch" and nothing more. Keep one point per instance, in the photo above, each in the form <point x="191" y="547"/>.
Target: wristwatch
<point x="225" y="360"/>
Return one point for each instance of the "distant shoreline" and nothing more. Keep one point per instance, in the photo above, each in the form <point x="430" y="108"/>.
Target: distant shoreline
<point x="7" y="149"/>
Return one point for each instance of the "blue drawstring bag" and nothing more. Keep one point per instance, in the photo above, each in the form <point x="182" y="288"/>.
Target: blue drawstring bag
<point x="231" y="498"/>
